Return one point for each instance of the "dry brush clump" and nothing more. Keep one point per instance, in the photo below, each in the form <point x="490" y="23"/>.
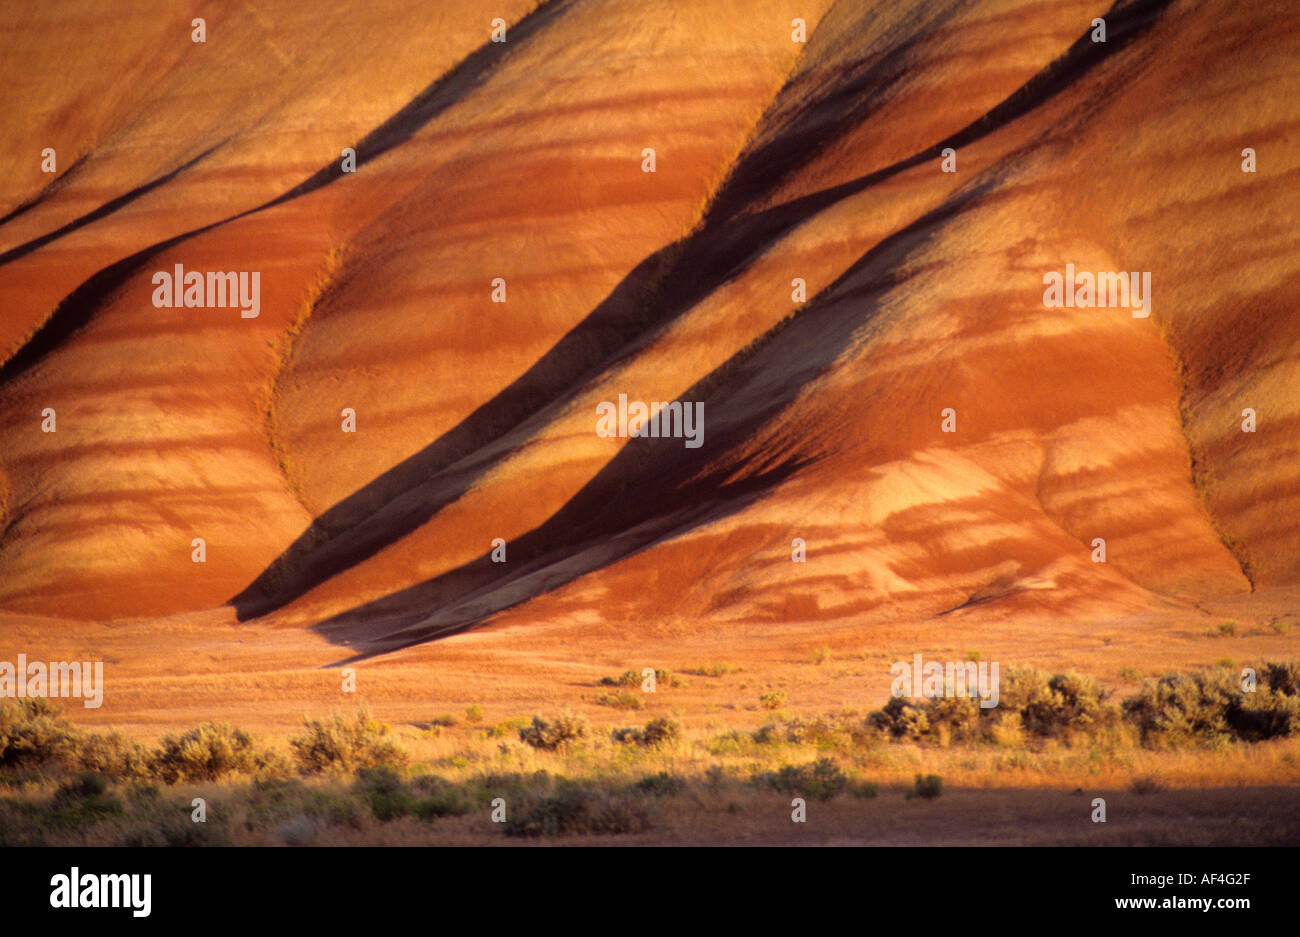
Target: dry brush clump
<point x="656" y="733"/>
<point x="342" y="745"/>
<point x="89" y="808"/>
<point x="720" y="669"/>
<point x="621" y="700"/>
<point x="550" y="734"/>
<point x="427" y="797"/>
<point x="1216" y="706"/>
<point x="1178" y="708"/>
<point x="637" y="678"/>
<point x="33" y="735"/>
<point x="926" y="787"/>
<point x="828" y="732"/>
<point x="661" y="784"/>
<point x="84" y="799"/>
<point x="113" y="755"/>
<point x="575" y="809"/>
<point x="817" y="780"/>
<point x="298" y="811"/>
<point x="1066" y="706"/>
<point x="208" y="753"/>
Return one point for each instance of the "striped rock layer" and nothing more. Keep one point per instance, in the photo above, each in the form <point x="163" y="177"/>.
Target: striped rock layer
<point x="798" y="263"/>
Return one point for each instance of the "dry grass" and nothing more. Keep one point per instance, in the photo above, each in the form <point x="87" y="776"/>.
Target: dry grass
<point x="682" y="793"/>
<point x="565" y="776"/>
<point x="167" y="677"/>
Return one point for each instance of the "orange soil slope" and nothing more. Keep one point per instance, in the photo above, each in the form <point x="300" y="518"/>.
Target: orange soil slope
<point x="776" y="161"/>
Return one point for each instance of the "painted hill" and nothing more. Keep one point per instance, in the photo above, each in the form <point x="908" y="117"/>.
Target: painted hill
<point x="798" y="262"/>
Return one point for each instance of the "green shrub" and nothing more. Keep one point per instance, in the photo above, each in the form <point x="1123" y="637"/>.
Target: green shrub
<point x="714" y="670"/>
<point x="772" y="700"/>
<point x="927" y="786"/>
<point x="205" y="753"/>
<point x="112" y="755"/>
<point x="626" y="678"/>
<point x="573" y="809"/>
<point x="661" y="731"/>
<point x="657" y="732"/>
<point x="1065" y="706"/>
<point x="86" y="784"/>
<point x="378" y="778"/>
<point x="1202" y="705"/>
<point x="621" y="700"/>
<point x="818" y="780"/>
<point x="437" y="797"/>
<point x="31" y="733"/>
<point x="444" y="803"/>
<point x="338" y="744"/>
<point x="865" y="789"/>
<point x="550" y="734"/>
<point x="729" y="743"/>
<point x="636" y="678"/>
<point x="273" y="801"/>
<point x="826" y="732"/>
<point x="954" y="718"/>
<point x="1183" y="707"/>
<point x="901" y="718"/>
<point x="1062" y="705"/>
<point x="173" y="826"/>
<point x="1265" y="714"/>
<point x="83" y="800"/>
<point x="660" y="785"/>
<point x="513" y="785"/>
<point x="1211" y="705"/>
<point x="383" y="789"/>
<point x="389" y="805"/>
<point x="1282" y="677"/>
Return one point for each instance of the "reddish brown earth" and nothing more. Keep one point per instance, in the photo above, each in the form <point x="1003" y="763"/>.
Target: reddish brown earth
<point x="775" y="160"/>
